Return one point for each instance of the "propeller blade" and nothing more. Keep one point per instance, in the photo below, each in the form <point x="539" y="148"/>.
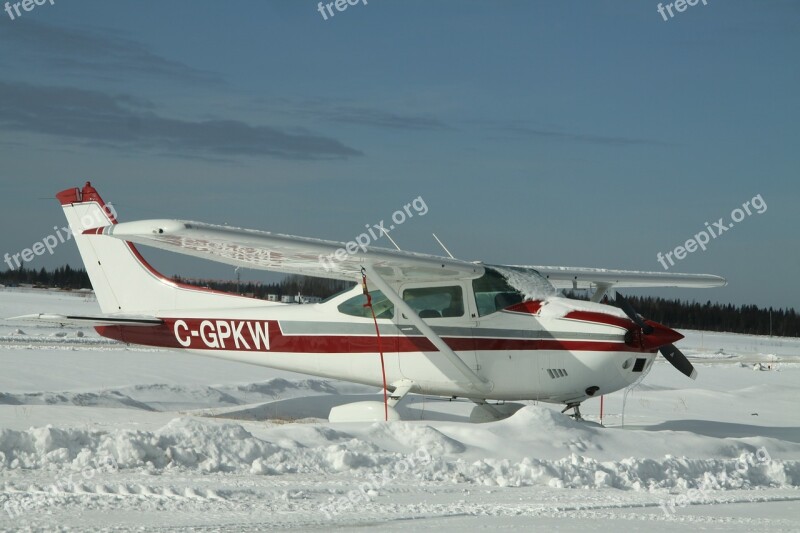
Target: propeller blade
<point x="626" y="306"/>
<point x="678" y="360"/>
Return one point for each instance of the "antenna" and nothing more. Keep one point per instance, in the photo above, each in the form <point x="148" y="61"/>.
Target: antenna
<point x="443" y="246"/>
<point x="392" y="240"/>
<point x="384" y="232"/>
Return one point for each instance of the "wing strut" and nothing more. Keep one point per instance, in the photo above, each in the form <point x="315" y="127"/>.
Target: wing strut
<point x="478" y="383"/>
<point x="600" y="291"/>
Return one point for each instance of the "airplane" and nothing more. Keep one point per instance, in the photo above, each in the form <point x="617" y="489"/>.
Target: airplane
<point x="414" y="323"/>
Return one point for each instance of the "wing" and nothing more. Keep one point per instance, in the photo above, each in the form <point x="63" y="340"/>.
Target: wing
<point x="583" y="278"/>
<point x="288" y="254"/>
<point x="330" y="259"/>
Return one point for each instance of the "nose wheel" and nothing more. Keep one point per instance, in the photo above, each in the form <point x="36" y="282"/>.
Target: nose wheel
<point x="576" y="414"/>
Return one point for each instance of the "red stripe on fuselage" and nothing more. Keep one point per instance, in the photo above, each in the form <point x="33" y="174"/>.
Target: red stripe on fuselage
<point x="256" y="335"/>
<point x="601" y="318"/>
<point x="530" y="307"/>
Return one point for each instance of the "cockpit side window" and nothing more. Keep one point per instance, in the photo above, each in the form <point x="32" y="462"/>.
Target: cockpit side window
<point x="436" y="302"/>
<point x="493" y="293"/>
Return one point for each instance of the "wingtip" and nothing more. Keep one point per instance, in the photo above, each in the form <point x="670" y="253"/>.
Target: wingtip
<point x="23" y="318"/>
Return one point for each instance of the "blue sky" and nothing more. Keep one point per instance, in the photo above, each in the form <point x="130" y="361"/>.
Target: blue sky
<point x="583" y="133"/>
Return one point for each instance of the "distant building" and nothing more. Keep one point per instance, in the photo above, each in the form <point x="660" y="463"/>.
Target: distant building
<point x="273" y="298"/>
<point x="310" y="299"/>
<point x="288" y="299"/>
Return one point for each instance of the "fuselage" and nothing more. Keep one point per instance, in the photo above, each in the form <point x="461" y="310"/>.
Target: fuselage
<point x="554" y="350"/>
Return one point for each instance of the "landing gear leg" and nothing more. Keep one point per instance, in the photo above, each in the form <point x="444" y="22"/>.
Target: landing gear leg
<point x="576" y="414"/>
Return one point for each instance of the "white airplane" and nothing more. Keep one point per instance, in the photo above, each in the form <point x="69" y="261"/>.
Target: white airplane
<point x="434" y="325"/>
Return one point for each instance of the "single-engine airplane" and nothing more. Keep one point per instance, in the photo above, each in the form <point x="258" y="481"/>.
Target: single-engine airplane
<point x="441" y="326"/>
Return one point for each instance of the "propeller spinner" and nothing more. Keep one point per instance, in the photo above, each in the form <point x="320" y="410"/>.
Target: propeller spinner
<point x="654" y="335"/>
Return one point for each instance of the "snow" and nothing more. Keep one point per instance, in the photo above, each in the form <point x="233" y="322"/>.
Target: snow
<point x="97" y="435"/>
<point x="528" y="282"/>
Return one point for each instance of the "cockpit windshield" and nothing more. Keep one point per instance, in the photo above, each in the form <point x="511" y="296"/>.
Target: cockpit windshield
<point x="501" y="287"/>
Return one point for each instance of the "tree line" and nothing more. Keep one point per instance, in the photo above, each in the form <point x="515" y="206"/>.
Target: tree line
<point x="677" y="314"/>
<point x="747" y="319"/>
<point x="64" y="277"/>
<point x="69" y="278"/>
<point x="680" y="314"/>
<point x="291" y="285"/>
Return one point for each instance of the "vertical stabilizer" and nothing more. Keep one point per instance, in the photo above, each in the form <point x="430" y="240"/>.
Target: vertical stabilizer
<point x="122" y="280"/>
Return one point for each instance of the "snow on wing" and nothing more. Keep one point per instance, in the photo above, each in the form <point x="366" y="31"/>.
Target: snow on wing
<point x="286" y="253"/>
<point x="583" y="278"/>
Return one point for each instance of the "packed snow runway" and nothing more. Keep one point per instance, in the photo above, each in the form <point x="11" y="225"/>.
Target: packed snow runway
<point x="98" y="435"/>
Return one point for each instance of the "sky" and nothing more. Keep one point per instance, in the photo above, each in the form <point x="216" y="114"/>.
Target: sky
<point x="579" y="133"/>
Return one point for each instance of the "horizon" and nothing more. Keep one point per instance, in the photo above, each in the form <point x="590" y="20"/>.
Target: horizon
<point x="567" y="293"/>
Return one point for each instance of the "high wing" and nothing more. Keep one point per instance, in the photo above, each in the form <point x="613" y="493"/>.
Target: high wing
<point x="286" y="253"/>
<point x="330" y="259"/>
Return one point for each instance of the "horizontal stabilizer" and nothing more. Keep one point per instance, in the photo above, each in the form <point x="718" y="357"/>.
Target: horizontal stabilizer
<point x="92" y="320"/>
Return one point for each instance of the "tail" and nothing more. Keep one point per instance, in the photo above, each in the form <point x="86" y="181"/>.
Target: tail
<point x="122" y="280"/>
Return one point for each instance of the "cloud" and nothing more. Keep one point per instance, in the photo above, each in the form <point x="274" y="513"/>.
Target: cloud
<point x="344" y="112"/>
<point x="383" y="119"/>
<point x="126" y="122"/>
<point x="92" y="52"/>
<point x="518" y="130"/>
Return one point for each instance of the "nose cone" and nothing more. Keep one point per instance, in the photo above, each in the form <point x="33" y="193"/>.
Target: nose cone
<point x="660" y="336"/>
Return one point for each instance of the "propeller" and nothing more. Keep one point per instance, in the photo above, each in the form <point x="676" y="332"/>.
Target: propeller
<point x="657" y="333"/>
<point x="626" y="306"/>
<point x="676" y="358"/>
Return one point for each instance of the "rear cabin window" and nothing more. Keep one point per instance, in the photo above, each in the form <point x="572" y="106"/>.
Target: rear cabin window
<point x="354" y="306"/>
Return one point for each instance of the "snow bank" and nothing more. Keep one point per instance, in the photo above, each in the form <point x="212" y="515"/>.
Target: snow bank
<point x="165" y="397"/>
<point x="579" y="472"/>
<point x="395" y="449"/>
<point x="183" y="442"/>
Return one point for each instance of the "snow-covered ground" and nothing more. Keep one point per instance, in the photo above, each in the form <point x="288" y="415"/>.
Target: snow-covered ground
<point x="98" y="435"/>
